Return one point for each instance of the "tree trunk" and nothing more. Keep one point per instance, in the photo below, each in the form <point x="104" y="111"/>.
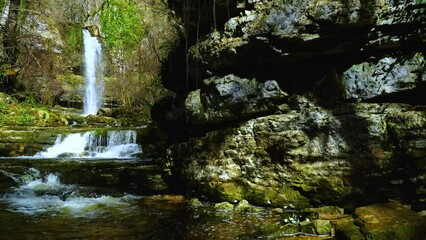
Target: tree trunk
<point x="10" y="43"/>
<point x="11" y="30"/>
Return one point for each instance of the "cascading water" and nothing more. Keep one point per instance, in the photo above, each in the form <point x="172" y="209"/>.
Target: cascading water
<point x="38" y="194"/>
<point x="110" y="144"/>
<point x="93" y="74"/>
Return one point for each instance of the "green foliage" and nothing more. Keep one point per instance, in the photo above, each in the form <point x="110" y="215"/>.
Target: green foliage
<point x="27" y="113"/>
<point x="122" y="26"/>
<point x="75" y="37"/>
<point x="2" y="3"/>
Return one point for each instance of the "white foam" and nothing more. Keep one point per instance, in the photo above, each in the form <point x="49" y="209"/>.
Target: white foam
<point x="113" y="144"/>
<point x="37" y="195"/>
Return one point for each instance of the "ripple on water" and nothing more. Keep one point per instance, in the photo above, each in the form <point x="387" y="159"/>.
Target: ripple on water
<point x="39" y="195"/>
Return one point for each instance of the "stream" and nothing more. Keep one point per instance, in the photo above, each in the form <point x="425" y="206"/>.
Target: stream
<point x="98" y="185"/>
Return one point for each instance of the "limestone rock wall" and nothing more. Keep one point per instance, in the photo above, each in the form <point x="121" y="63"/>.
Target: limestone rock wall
<point x="306" y="103"/>
<point x="311" y="155"/>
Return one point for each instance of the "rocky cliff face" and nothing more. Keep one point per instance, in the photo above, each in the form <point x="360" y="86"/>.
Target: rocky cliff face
<point x="307" y="103"/>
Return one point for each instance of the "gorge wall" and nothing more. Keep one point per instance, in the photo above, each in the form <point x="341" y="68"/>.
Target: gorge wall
<point x="302" y="103"/>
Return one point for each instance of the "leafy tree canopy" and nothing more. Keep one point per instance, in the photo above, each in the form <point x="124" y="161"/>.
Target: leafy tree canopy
<point x="122" y="25"/>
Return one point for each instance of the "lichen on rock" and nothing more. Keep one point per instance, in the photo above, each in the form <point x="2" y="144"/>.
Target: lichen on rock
<point x="389" y="75"/>
<point x="231" y="97"/>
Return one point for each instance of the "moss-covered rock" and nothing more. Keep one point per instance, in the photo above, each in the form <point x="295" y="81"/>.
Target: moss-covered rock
<point x="326" y="212"/>
<point x="245" y="206"/>
<point x="194" y="202"/>
<point x="309" y="155"/>
<point x="320" y="227"/>
<point x="390" y="221"/>
<point x="347" y="229"/>
<point x="224" y="206"/>
<point x="278" y="231"/>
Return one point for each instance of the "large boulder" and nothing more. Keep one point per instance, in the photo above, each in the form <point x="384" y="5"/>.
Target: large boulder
<point x="389" y="75"/>
<point x="231" y="97"/>
<point x="390" y="221"/>
<point x="310" y="155"/>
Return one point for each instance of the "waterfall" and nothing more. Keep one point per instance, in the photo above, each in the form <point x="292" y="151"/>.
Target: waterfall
<point x="5" y="14"/>
<point x="93" y="74"/>
<point x="92" y="144"/>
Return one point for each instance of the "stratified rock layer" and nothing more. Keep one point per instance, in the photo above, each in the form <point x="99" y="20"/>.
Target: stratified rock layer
<point x="310" y="155"/>
<point x="307" y="103"/>
<point x="232" y="97"/>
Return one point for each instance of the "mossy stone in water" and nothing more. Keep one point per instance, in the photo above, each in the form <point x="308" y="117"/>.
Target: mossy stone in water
<point x="224" y="206"/>
<point x="384" y="221"/>
<point x="320" y="227"/>
<point x="230" y="191"/>
<point x="346" y="229"/>
<point x="245" y="206"/>
<point x="326" y="212"/>
<point x="66" y="155"/>
<point x="277" y="231"/>
<point x="194" y="202"/>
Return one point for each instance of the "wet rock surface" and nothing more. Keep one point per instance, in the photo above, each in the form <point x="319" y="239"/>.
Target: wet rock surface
<point x="129" y="176"/>
<point x="390" y="221"/>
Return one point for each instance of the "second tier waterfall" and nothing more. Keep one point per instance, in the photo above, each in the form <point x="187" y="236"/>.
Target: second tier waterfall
<point x="93" y="74"/>
<point x="94" y="144"/>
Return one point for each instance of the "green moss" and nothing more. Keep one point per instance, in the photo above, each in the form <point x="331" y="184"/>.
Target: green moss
<point x="276" y="231"/>
<point x="230" y="191"/>
<point x="26" y="113"/>
<point x="224" y="206"/>
<point x="122" y="25"/>
<point x="320" y="227"/>
<point x="244" y="206"/>
<point x="346" y="229"/>
<point x="326" y="212"/>
<point x="389" y="221"/>
<point x="275" y="196"/>
<point x="194" y="202"/>
<point x="75" y="37"/>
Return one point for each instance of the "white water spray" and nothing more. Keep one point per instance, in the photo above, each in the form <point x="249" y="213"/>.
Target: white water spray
<point x="5" y="14"/>
<point x="93" y="74"/>
<point x="44" y="193"/>
<point x="112" y="144"/>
